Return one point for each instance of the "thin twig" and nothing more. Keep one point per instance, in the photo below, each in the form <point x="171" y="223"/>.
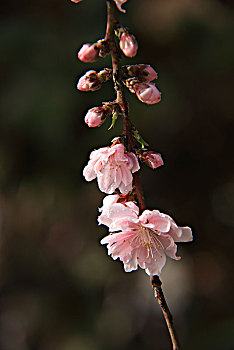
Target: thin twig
<point x="157" y="287"/>
<point x="127" y="131"/>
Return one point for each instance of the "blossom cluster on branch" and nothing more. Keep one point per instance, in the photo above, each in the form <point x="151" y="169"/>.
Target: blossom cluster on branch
<point x="137" y="236"/>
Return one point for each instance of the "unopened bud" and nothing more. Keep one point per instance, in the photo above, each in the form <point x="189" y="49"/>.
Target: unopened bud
<point x="152" y="159"/>
<point x="142" y="72"/>
<point x="149" y="74"/>
<point x="119" y="4"/>
<point x="89" y="82"/>
<point x="96" y="116"/>
<point x="105" y="75"/>
<point x="147" y="93"/>
<point x="128" y="44"/>
<point x="88" y="53"/>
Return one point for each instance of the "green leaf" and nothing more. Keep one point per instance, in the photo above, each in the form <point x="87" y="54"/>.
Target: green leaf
<point x="140" y="139"/>
<point x="114" y="118"/>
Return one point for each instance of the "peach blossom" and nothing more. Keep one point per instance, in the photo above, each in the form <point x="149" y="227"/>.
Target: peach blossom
<point x="143" y="240"/>
<point x="113" y="167"/>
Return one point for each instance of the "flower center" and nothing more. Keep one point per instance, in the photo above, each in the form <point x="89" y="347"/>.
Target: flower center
<point x="148" y="239"/>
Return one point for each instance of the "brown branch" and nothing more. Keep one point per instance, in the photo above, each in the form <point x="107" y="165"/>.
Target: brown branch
<point x="127" y="131"/>
<point x="119" y="88"/>
<point x="157" y="287"/>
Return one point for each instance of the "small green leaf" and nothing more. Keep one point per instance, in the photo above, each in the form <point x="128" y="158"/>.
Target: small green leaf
<point x="114" y="118"/>
<point x="140" y="139"/>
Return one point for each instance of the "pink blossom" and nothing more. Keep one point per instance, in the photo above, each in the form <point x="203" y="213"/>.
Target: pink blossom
<point x="113" y="166"/>
<point x="89" y="82"/>
<point x="106" y="218"/>
<point x="128" y="45"/>
<point x="147" y="93"/>
<point x="152" y="159"/>
<point x="88" y="53"/>
<point x="96" y="116"/>
<point x="143" y="240"/>
<point x="119" y="4"/>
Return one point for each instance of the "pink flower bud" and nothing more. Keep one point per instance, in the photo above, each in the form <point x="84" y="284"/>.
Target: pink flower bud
<point x="152" y="159"/>
<point x="96" y="116"/>
<point x="149" y="73"/>
<point x="89" y="82"/>
<point x="128" y="44"/>
<point x="143" y="72"/>
<point x="119" y="4"/>
<point x="88" y="53"/>
<point x="147" y="93"/>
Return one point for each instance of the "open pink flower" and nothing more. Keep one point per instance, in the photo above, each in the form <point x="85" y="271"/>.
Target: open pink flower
<point x="108" y="202"/>
<point x="113" y="166"/>
<point x="143" y="240"/>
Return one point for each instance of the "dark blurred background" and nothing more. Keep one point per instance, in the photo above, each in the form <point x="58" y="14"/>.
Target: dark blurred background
<point x="59" y="290"/>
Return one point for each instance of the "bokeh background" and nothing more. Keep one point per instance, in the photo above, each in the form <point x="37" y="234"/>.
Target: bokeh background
<point x="58" y="288"/>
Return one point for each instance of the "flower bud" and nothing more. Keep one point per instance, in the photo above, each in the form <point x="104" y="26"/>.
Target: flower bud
<point x="128" y="44"/>
<point x="143" y="72"/>
<point x="119" y="4"/>
<point x="147" y="93"/>
<point x="88" y="53"/>
<point x="149" y="74"/>
<point x="89" y="82"/>
<point x="96" y="116"/>
<point x="152" y="159"/>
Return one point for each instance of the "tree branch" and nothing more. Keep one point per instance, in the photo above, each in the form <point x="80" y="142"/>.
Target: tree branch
<point x="127" y="132"/>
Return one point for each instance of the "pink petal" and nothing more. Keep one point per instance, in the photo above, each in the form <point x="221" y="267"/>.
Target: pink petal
<point x="133" y="162"/>
<point x="121" y="250"/>
<point x="154" y="267"/>
<point x="116" y="237"/>
<point x="169" y="245"/>
<point x="132" y="263"/>
<point x="124" y="189"/>
<point x="89" y="173"/>
<point x="180" y="234"/>
<point x="160" y="221"/>
<point x="133" y="207"/>
<point x="126" y="176"/>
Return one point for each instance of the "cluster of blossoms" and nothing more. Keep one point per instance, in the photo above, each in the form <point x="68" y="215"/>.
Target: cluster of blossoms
<point x="136" y="237"/>
<point x="137" y="240"/>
